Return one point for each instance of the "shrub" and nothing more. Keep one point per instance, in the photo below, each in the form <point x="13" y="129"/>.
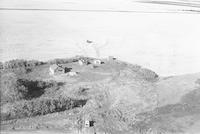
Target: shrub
<point x="14" y="89"/>
<point x="11" y="89"/>
<point x="22" y="63"/>
<point x="69" y="60"/>
<point x="20" y="67"/>
<point x="41" y="106"/>
<point x="148" y="74"/>
<point x="62" y="61"/>
<point x="35" y="88"/>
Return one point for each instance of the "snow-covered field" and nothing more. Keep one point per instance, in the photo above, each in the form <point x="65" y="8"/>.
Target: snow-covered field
<point x="161" y="37"/>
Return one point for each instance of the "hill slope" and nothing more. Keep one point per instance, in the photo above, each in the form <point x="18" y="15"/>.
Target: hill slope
<point x="118" y="96"/>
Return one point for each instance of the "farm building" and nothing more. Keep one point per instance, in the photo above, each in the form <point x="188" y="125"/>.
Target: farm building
<point x="58" y="69"/>
<point x="83" y="62"/>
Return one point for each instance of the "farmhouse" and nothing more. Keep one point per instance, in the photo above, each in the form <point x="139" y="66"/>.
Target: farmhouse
<point x="83" y="62"/>
<point x="58" y="69"/>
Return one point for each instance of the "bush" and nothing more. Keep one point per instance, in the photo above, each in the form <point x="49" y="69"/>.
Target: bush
<point x="35" y="88"/>
<point x="69" y="60"/>
<point x="11" y="89"/>
<point x="20" y="67"/>
<point x="40" y="106"/>
<point x="63" y="61"/>
<point x="148" y="74"/>
<point x="14" y="89"/>
<point x="21" y="63"/>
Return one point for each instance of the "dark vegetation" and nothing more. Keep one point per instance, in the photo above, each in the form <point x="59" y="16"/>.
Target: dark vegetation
<point x="37" y="88"/>
<point x="20" y="67"/>
<point x="28" y="96"/>
<point x="62" y="61"/>
<point x="40" y="106"/>
<point x="30" y="64"/>
<point x="148" y="74"/>
<point x="14" y="88"/>
<point x="12" y="64"/>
